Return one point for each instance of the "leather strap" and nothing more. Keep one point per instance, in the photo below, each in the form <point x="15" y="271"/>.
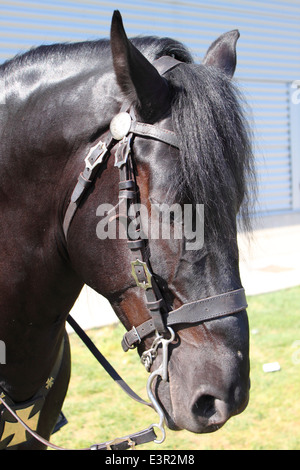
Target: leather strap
<point x="137" y="334"/>
<point x="94" y="158"/>
<point x="154" y="132"/>
<point x="209" y="308"/>
<point x="199" y="311"/>
<point x="141" y="437"/>
<point x="104" y="363"/>
<point x="165" y="63"/>
<point x="28" y="429"/>
<point x="128" y="442"/>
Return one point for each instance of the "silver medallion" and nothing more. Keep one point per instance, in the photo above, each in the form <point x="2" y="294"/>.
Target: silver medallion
<point x="120" y="125"/>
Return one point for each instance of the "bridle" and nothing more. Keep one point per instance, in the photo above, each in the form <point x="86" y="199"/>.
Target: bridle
<point x="123" y="129"/>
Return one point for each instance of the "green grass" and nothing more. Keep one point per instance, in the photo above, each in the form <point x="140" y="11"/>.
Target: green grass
<point x="98" y="410"/>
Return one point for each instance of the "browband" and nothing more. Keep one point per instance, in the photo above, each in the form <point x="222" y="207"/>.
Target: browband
<point x="154" y="132"/>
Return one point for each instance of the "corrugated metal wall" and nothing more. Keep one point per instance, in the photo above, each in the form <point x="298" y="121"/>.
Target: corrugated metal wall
<point x="270" y="104"/>
<point x="268" y="60"/>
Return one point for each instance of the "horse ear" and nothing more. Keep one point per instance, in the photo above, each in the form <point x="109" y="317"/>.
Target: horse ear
<point x="222" y="52"/>
<point x="137" y="77"/>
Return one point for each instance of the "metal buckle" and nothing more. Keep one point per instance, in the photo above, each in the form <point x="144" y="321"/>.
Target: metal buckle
<point x="95" y="155"/>
<point x="147" y="283"/>
<point x="137" y="334"/>
<point x="120" y="440"/>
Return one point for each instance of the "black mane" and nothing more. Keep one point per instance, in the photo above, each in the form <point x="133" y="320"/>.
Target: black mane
<point x="216" y="160"/>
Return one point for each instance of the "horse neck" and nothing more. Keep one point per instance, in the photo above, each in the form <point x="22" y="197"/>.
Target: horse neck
<point x="50" y="123"/>
<point x="46" y="134"/>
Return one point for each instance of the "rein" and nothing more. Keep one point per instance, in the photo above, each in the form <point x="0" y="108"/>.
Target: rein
<point x="162" y="318"/>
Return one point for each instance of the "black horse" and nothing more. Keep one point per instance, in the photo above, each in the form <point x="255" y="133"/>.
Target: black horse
<point x="56" y="103"/>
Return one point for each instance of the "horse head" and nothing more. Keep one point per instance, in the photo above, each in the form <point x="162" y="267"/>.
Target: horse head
<point x="183" y="145"/>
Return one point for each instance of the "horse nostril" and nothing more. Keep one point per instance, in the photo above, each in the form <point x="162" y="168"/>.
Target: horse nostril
<point x="210" y="411"/>
<point x="204" y="406"/>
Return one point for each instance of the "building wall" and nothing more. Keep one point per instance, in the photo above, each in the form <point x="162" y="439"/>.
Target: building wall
<point x="268" y="62"/>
